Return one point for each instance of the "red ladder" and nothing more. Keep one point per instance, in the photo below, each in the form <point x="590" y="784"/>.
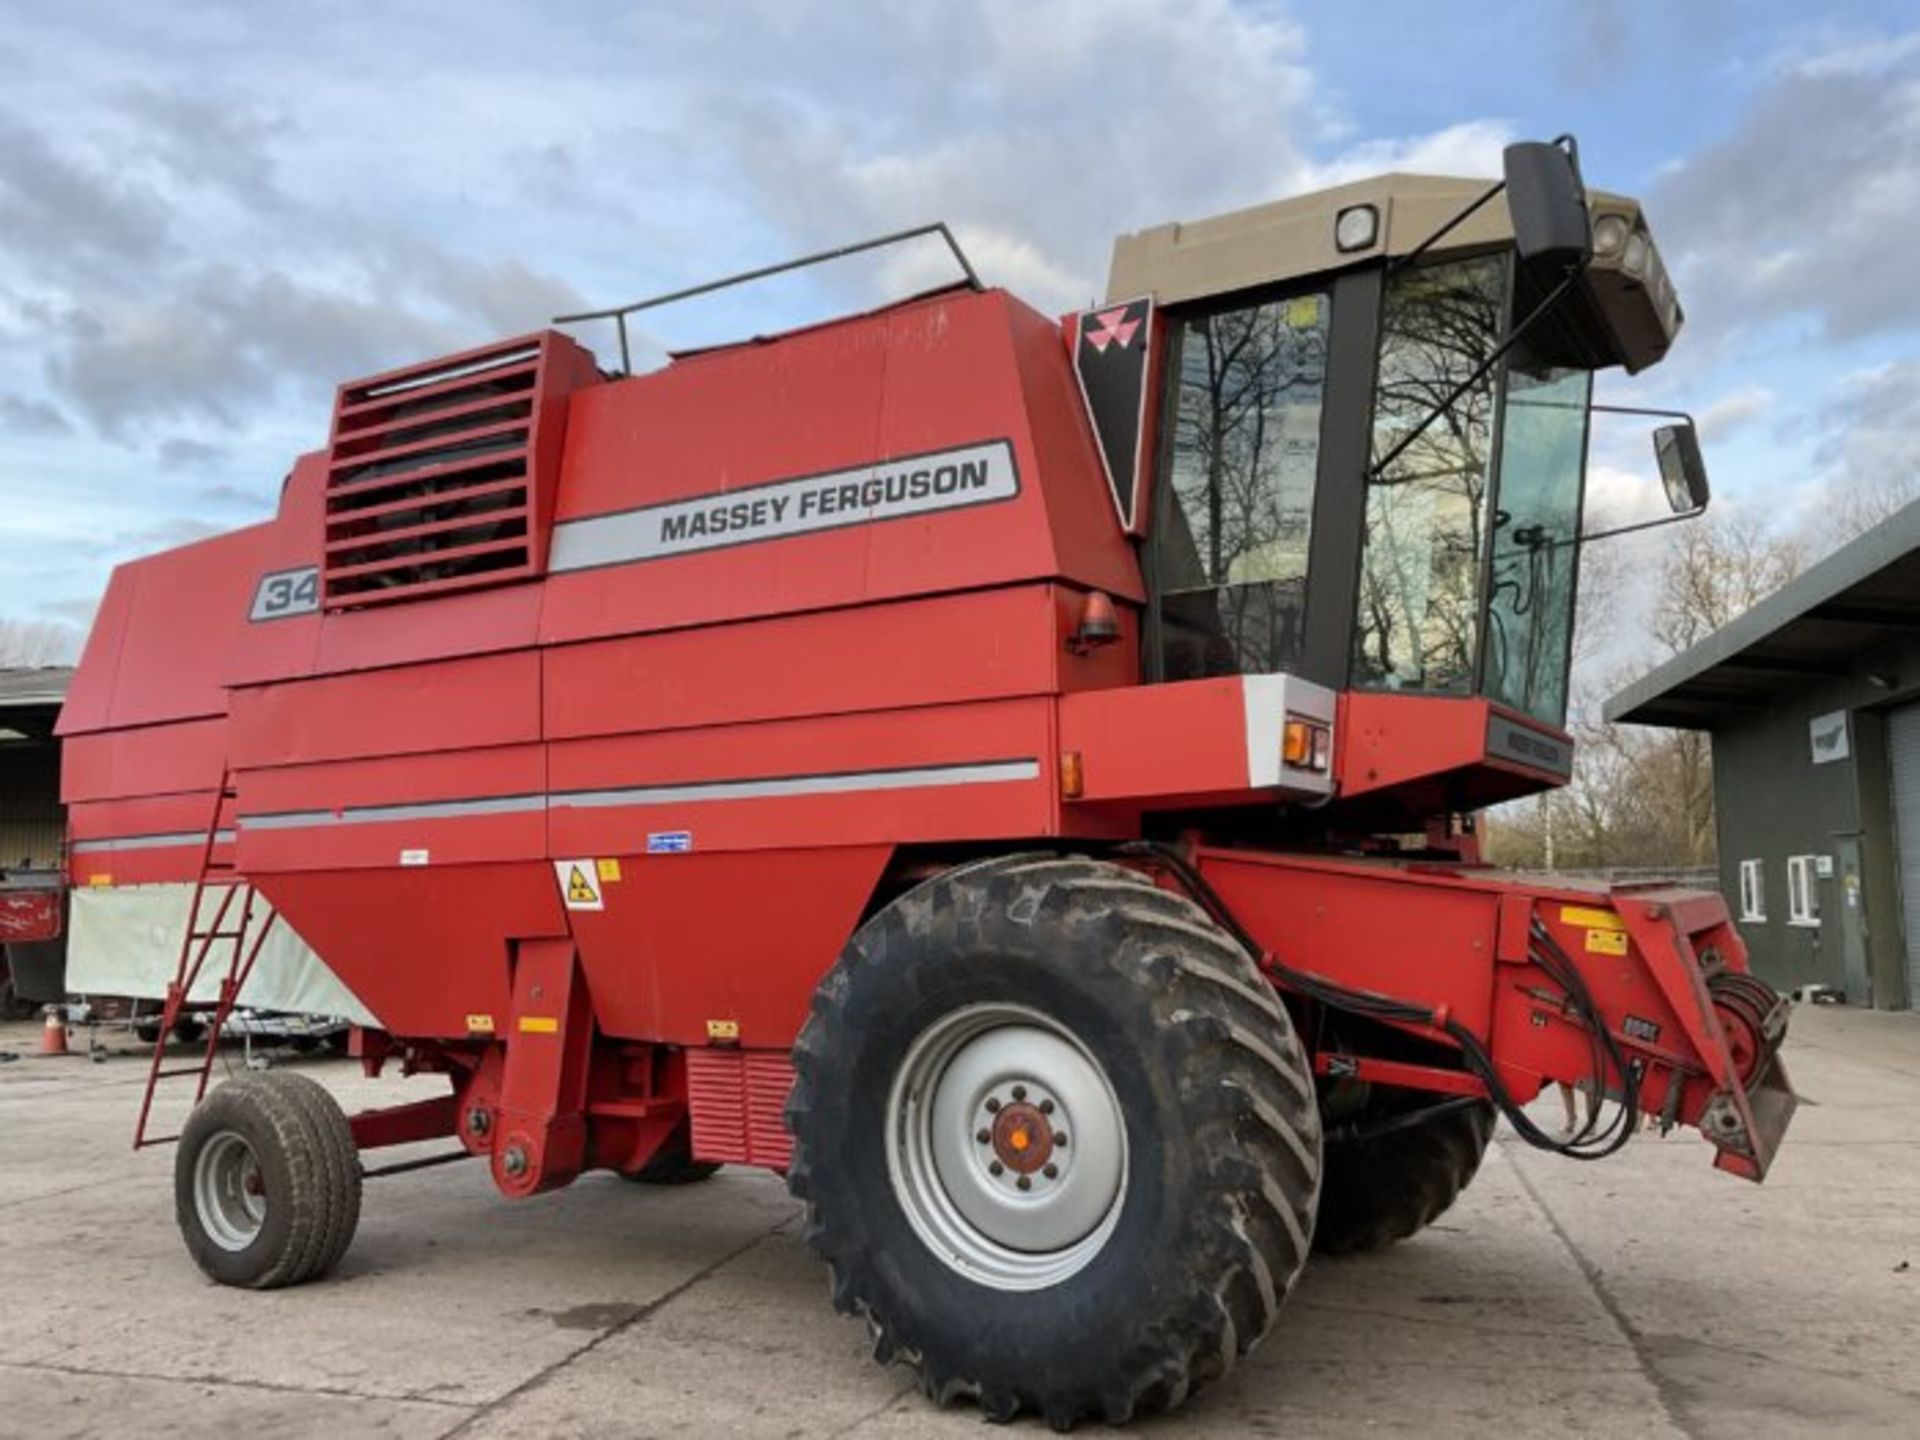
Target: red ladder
<point x="234" y="913"/>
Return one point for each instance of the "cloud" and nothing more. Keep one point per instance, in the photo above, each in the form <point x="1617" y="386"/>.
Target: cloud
<point x="1471" y="149"/>
<point x="1867" y="434"/>
<point x="1803" y="208"/>
<point x="1052" y="128"/>
<point x="1730" y="412"/>
<point x="207" y="143"/>
<point x="29" y="417"/>
<point x="67" y="216"/>
<point x="162" y="273"/>
<point x="182" y="454"/>
<point x="228" y="339"/>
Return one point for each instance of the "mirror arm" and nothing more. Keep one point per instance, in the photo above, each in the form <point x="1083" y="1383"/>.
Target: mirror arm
<point x="1643" y="410"/>
<point x="1698" y="510"/>
<point x="1514" y="337"/>
<point x="1400" y="262"/>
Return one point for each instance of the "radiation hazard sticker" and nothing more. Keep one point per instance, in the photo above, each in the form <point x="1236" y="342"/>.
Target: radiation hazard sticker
<point x="580" y="884"/>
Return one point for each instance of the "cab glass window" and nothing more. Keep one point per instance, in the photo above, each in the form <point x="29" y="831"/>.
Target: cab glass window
<point x="1536" y="526"/>
<point x="1426" y="516"/>
<point x="1231" y="545"/>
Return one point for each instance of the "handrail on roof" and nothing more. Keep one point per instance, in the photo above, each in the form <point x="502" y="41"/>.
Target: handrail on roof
<point x="618" y="313"/>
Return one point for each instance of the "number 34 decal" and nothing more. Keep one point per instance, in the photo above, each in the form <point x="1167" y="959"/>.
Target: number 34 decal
<point x="287" y="592"/>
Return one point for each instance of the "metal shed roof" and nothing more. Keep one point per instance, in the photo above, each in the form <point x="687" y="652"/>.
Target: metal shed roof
<point x="33" y="685"/>
<point x="1808" y="629"/>
<point x="30" y="701"/>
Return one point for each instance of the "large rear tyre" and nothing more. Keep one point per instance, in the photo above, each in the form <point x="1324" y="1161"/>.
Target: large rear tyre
<point x="267" y="1182"/>
<point x="1381" y="1188"/>
<point x="1057" y="1138"/>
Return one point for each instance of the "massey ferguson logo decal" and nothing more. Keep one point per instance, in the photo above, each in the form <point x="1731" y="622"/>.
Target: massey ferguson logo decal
<point x="1111" y="362"/>
<point x="885" y="490"/>
<point x="1117" y="326"/>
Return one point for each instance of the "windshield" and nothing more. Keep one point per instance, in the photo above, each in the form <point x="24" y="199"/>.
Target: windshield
<point x="1418" y="621"/>
<point x="1543" y="455"/>
<point x="1485" y="503"/>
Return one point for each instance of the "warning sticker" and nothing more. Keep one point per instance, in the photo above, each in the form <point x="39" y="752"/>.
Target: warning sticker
<point x="607" y="869"/>
<point x="579" y="884"/>
<point x="1606" y="942"/>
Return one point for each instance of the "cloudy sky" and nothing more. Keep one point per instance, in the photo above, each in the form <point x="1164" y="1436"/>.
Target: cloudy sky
<point x="210" y="213"/>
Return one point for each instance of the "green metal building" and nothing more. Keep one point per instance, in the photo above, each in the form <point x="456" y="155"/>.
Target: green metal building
<point x="1813" y="702"/>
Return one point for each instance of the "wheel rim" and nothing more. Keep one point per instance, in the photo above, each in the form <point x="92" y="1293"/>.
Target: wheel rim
<point x="229" y="1191"/>
<point x="1006" y="1147"/>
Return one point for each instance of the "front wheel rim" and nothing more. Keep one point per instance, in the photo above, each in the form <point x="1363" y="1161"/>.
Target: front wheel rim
<point x="1006" y="1146"/>
<point x="229" y="1191"/>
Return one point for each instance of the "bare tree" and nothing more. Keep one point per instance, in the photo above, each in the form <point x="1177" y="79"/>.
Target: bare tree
<point x="28" y="643"/>
<point x="1642" y="796"/>
<point x="1852" y="509"/>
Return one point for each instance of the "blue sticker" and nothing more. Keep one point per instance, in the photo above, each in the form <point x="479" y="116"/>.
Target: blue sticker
<point x="669" y="842"/>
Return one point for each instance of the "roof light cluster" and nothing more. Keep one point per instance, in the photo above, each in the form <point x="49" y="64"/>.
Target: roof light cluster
<point x="1623" y="244"/>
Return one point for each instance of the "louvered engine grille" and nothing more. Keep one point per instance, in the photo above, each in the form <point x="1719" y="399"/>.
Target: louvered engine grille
<point x="738" y="1100"/>
<point x="440" y="476"/>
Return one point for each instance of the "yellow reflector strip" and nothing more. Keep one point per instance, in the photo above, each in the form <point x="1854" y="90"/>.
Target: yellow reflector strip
<point x="1590" y="919"/>
<point x="539" y="1025"/>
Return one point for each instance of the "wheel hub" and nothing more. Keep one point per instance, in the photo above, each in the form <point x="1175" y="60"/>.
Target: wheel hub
<point x="1007" y="1146"/>
<point x="229" y="1191"/>
<point x="1022" y="1138"/>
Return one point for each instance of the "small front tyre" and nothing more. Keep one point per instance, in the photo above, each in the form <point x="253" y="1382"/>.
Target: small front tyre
<point x="267" y="1182"/>
<point x="1057" y="1138"/>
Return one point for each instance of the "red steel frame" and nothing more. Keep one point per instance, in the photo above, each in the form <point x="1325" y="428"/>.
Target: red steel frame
<point x="750" y="745"/>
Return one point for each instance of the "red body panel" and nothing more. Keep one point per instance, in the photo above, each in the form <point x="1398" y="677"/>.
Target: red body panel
<point x="808" y="627"/>
<point x="817" y="699"/>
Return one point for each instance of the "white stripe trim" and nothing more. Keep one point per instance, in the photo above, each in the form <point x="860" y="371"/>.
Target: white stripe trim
<point x="991" y="772"/>
<point x="987" y="774"/>
<point x="149" y="842"/>
<point x="375" y="814"/>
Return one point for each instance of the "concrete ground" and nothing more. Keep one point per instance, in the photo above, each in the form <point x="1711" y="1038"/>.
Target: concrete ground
<point x="1648" y="1295"/>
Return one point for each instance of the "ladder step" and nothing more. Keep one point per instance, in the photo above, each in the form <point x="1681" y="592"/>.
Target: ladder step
<point x="158" y="1140"/>
<point x="194" y="935"/>
<point x="180" y="1070"/>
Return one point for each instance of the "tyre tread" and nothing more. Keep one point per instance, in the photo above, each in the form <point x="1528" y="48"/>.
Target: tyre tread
<point x="1244" y="1078"/>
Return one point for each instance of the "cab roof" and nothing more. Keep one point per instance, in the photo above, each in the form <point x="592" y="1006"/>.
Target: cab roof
<point x="1289" y="239"/>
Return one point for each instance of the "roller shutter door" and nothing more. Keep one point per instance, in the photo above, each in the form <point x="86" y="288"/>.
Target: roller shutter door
<point x="1903" y="754"/>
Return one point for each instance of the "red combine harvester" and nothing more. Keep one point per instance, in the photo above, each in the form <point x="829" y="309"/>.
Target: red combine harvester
<point x="1012" y="776"/>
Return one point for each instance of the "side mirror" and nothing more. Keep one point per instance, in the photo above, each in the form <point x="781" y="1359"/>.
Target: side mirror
<point x="1682" y="470"/>
<point x="1548" y="204"/>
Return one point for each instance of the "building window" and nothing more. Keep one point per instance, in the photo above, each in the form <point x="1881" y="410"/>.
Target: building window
<point x="1803" y="898"/>
<point x="1753" y="891"/>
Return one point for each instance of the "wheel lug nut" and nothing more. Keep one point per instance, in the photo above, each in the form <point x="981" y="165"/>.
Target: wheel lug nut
<point x="1052" y="1172"/>
<point x="1019" y="1092"/>
<point x="993" y="1105"/>
<point x="1060" y="1138"/>
<point x="1046" y="1107"/>
<point x="984" y="1136"/>
<point x="996" y="1168"/>
<point x="1024" y="1182"/>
